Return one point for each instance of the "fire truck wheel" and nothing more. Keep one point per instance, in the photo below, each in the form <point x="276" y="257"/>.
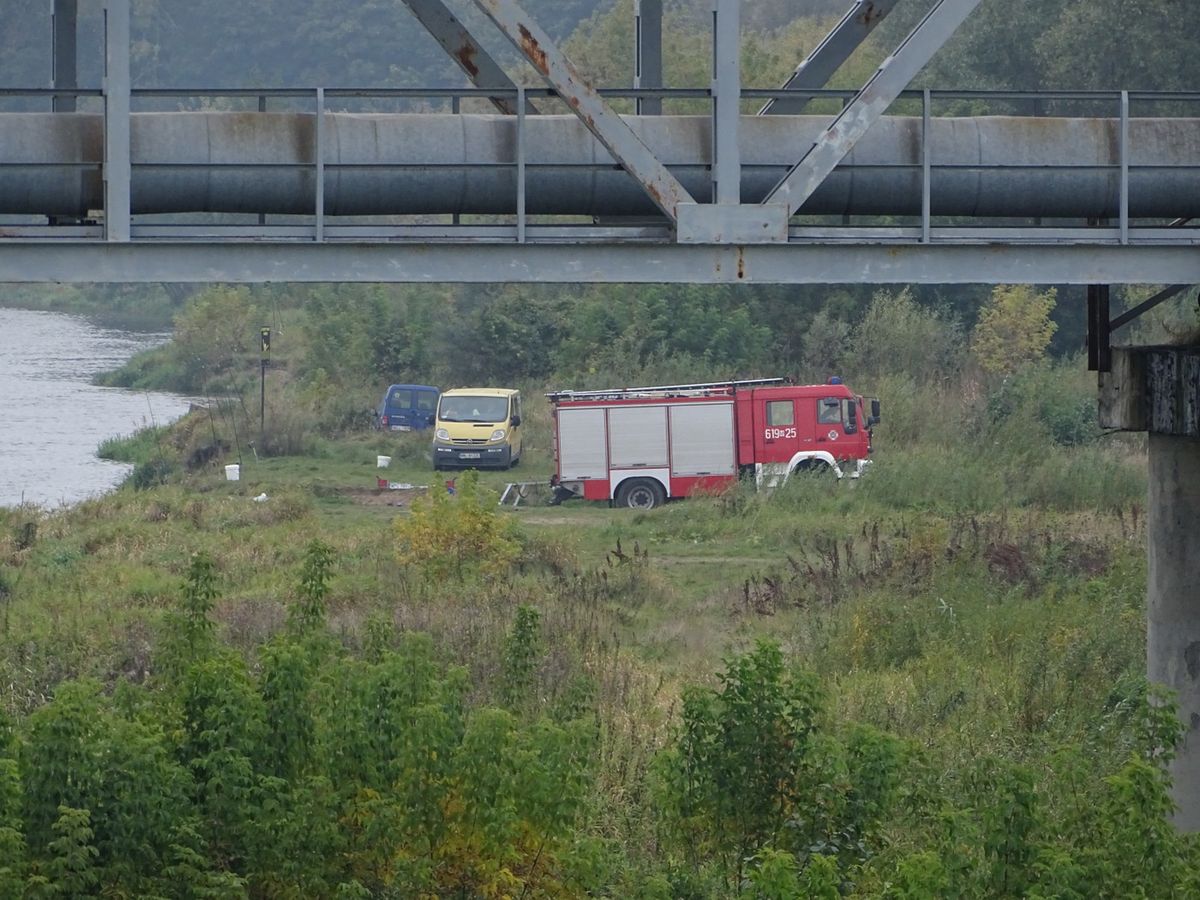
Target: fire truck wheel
<point x="640" y="493"/>
<point x="811" y="467"/>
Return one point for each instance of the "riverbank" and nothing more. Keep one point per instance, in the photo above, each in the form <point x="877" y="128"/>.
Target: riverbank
<point x="54" y="417"/>
<point x="135" y="308"/>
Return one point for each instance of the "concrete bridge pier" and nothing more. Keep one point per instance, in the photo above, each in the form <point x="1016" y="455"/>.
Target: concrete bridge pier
<point x="1157" y="390"/>
<point x="1173" y="602"/>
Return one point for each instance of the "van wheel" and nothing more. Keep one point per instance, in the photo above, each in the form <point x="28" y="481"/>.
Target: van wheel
<point x="640" y="493"/>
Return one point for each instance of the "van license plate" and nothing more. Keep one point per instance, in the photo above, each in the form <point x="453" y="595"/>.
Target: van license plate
<point x="469" y="455"/>
<point x="401" y="428"/>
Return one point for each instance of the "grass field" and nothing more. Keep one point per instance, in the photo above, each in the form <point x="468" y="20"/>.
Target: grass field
<point x="978" y="623"/>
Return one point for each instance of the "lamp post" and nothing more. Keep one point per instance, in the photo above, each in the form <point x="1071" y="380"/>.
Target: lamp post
<point x="264" y="334"/>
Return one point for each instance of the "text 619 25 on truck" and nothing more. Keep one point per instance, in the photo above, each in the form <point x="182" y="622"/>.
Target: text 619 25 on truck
<point x="639" y="447"/>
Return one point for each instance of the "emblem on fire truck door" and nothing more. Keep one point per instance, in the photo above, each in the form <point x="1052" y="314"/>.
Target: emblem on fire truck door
<point x="833" y="435"/>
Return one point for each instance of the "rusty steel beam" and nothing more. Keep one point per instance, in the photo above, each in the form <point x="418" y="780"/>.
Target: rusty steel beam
<point x="828" y="56"/>
<point x="880" y="91"/>
<point x="663" y="188"/>
<point x="1145" y="306"/>
<point x="467" y="53"/>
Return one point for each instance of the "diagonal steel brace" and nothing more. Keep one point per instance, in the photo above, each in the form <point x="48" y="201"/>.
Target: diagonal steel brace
<point x="609" y="128"/>
<point x="466" y="52"/>
<point x="880" y="91"/>
<point x="818" y="67"/>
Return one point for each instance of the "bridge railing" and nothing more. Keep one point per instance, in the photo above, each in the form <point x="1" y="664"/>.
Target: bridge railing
<point x="517" y="224"/>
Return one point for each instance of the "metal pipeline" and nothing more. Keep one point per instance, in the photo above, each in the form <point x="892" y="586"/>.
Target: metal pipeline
<point x="406" y="164"/>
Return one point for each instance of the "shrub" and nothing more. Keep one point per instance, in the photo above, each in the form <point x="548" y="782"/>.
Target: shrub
<point x="458" y="534"/>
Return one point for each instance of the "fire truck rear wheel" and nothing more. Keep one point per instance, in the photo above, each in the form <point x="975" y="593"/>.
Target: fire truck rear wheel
<point x="640" y="493"/>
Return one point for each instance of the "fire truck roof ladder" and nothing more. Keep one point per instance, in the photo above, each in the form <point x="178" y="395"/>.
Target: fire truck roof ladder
<point x="664" y="390"/>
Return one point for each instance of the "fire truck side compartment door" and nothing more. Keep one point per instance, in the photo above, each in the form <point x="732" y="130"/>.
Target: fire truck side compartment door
<point x="581" y="444"/>
<point x="637" y="437"/>
<point x="702" y="439"/>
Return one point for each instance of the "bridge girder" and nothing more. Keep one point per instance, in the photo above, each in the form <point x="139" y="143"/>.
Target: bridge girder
<point x="151" y="261"/>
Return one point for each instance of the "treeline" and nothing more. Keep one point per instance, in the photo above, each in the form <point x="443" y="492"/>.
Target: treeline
<point x="1010" y="44"/>
<point x="336" y="348"/>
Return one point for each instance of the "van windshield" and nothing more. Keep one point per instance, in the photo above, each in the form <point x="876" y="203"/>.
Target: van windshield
<point x="473" y="409"/>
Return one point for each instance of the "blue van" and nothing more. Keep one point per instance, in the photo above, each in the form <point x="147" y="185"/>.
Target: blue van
<point x="407" y="407"/>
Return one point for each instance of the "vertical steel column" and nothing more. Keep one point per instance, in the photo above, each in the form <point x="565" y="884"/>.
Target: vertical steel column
<point x="647" y="54"/>
<point x="262" y="108"/>
<point x="520" y="165"/>
<point x="319" y="159"/>
<point x="1124" y="202"/>
<point x="65" y="53"/>
<point x="1099" y="330"/>
<point x="926" y="168"/>
<point x="116" y="120"/>
<point x="727" y="91"/>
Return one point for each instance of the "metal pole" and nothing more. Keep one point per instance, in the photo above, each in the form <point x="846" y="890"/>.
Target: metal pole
<point x="262" y="399"/>
<point x="926" y="167"/>
<point x="320" y="161"/>
<point x="647" y="62"/>
<point x="455" y="109"/>
<point x="727" y="90"/>
<point x="264" y="334"/>
<point x="262" y="108"/>
<point x="520" y="165"/>
<point x="1124" y="202"/>
<point x="116" y="120"/>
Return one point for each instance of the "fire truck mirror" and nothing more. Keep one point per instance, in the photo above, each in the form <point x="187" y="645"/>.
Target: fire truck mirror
<point x="874" y="420"/>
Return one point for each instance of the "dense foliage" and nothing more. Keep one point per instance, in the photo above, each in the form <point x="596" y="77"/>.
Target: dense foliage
<point x="924" y="684"/>
<point x="315" y="767"/>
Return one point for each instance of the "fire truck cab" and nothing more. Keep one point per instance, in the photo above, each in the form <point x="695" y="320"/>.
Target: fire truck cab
<point x="639" y="447"/>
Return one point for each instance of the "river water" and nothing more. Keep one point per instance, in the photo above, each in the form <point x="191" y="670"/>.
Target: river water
<point x="52" y="418"/>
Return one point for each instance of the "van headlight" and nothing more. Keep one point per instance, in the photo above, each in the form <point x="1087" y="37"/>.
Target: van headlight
<point x="497" y="435"/>
<point x="442" y="434"/>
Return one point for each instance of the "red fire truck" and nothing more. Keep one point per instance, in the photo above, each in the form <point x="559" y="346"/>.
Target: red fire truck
<point x="639" y="447"/>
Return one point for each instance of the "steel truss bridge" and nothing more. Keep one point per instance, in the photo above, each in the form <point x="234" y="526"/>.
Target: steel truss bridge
<point x="501" y="181"/>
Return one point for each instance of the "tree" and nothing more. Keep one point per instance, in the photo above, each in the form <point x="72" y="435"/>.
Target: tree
<point x="1014" y="328"/>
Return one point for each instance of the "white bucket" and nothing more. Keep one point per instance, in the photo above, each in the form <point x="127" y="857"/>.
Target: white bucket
<point x="382" y="462"/>
<point x="233" y="473"/>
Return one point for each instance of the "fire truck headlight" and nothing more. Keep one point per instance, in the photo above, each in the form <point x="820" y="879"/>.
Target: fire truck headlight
<point x="497" y="435"/>
<point x="442" y="434"/>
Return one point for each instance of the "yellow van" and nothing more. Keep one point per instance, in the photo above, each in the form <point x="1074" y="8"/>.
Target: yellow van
<point x="477" y="428"/>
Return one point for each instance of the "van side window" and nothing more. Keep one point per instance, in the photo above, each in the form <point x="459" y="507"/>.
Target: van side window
<point x="781" y="412"/>
<point x="426" y="400"/>
<point x="829" y="411"/>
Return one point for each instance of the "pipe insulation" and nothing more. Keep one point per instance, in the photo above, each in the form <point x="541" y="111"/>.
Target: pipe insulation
<point x="406" y="164"/>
